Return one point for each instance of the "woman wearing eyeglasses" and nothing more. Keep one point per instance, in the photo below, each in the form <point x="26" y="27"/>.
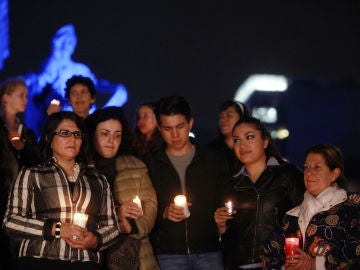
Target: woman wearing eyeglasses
<point x="44" y="199"/>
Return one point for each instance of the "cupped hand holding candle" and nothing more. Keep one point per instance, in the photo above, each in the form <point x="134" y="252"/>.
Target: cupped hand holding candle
<point x="80" y="219"/>
<point x="53" y="107"/>
<point x="180" y="200"/>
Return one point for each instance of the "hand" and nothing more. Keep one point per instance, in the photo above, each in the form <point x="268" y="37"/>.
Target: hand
<point x="221" y="216"/>
<point x="69" y="230"/>
<point x="53" y="108"/>
<point x="175" y="213"/>
<point x="299" y="261"/>
<point x="17" y="144"/>
<point x="129" y="209"/>
<point x="86" y="241"/>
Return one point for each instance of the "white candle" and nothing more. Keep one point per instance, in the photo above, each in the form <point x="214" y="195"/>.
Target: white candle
<point x="180" y="200"/>
<point x="137" y="201"/>
<point x="229" y="207"/>
<point x="80" y="219"/>
<point x="55" y="102"/>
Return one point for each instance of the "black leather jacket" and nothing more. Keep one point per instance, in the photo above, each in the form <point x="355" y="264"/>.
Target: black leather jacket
<point x="260" y="207"/>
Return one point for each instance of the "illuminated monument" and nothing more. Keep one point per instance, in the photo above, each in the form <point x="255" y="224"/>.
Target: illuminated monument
<point x="4" y="32"/>
<point x="49" y="82"/>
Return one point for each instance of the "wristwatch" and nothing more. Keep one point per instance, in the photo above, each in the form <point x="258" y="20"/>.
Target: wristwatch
<point x="57" y="229"/>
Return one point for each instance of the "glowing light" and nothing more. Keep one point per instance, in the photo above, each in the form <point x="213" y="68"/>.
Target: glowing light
<point x="280" y="134"/>
<point x="261" y="82"/>
<point x="265" y="114"/>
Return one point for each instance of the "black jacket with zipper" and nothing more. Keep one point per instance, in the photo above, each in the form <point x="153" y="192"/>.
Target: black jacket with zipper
<point x="205" y="178"/>
<point x="260" y="207"/>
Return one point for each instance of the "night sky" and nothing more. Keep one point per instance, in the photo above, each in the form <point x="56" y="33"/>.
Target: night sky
<point x="200" y="49"/>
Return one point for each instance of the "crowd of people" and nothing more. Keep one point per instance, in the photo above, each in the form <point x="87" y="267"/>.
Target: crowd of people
<point x="95" y="193"/>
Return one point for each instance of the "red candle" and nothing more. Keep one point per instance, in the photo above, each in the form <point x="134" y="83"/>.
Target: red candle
<point x="290" y="243"/>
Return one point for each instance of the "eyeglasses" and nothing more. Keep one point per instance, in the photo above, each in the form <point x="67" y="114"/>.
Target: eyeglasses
<point x="67" y="133"/>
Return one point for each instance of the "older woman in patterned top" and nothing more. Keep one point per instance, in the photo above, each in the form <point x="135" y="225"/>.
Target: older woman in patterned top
<point x="327" y="221"/>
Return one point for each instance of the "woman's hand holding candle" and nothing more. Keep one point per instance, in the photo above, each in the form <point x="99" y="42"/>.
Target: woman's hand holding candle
<point x="300" y="260"/>
<point x="128" y="210"/>
<point x="73" y="234"/>
<point x="222" y="215"/>
<point x="54" y="107"/>
<point x="296" y="258"/>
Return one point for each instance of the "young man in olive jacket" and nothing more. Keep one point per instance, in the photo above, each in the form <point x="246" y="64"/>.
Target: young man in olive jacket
<point x="181" y="241"/>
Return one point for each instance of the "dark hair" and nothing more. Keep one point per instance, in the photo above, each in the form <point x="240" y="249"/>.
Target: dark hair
<point x="104" y="114"/>
<point x="141" y="145"/>
<point x="47" y="135"/>
<point x="239" y="107"/>
<point x="172" y="105"/>
<point x="333" y="158"/>
<point x="271" y="149"/>
<point x="78" y="79"/>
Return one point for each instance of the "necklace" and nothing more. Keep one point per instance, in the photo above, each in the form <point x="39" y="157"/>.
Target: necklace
<point x="76" y="173"/>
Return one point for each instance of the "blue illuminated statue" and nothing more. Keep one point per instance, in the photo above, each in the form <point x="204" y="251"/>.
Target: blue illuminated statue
<point x="49" y="82"/>
<point x="4" y="32"/>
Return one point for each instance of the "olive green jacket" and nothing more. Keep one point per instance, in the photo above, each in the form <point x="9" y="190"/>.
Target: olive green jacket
<point x="132" y="179"/>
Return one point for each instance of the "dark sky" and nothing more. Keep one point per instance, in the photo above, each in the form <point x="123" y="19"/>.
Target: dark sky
<point x="200" y="49"/>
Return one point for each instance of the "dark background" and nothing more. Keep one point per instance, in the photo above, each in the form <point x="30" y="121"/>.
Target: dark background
<point x="204" y="50"/>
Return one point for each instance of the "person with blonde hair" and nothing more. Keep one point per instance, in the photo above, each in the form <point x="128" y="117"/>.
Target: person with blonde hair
<point x="23" y="141"/>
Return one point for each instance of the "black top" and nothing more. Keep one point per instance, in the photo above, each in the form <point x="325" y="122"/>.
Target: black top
<point x="233" y="162"/>
<point x="205" y="177"/>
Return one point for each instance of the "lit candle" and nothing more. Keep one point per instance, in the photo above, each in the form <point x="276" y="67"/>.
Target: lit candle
<point x="55" y="102"/>
<point x="80" y="219"/>
<point x="290" y="243"/>
<point x="180" y="200"/>
<point x="13" y="136"/>
<point x="137" y="201"/>
<point x="229" y="207"/>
